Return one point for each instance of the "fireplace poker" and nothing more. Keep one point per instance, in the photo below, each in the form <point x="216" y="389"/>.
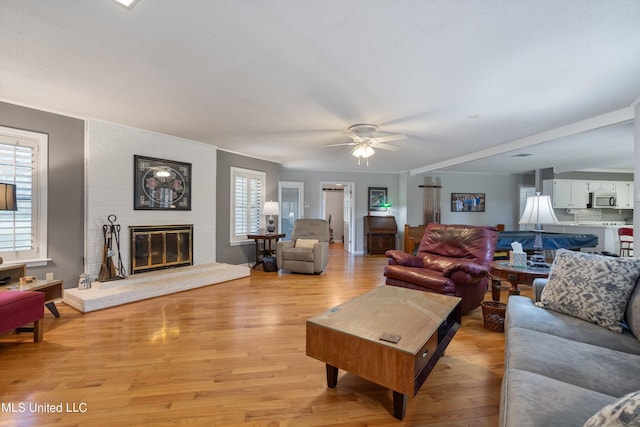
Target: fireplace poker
<point x="115" y="231"/>
<point x="104" y="267"/>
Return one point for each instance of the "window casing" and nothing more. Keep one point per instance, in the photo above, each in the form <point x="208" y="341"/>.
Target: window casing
<point x="247" y="198"/>
<point x="23" y="161"/>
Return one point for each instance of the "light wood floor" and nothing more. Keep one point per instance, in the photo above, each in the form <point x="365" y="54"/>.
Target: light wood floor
<point x="232" y="354"/>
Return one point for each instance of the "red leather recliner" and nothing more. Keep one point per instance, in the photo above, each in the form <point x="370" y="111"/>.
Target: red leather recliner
<point x="451" y="260"/>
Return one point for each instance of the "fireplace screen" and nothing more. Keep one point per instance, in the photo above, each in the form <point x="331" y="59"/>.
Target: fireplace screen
<point x="160" y="246"/>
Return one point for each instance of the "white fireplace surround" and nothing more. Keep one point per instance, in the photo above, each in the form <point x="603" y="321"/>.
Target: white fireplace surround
<point x="151" y="284"/>
<point x="109" y="170"/>
<point x="109" y="181"/>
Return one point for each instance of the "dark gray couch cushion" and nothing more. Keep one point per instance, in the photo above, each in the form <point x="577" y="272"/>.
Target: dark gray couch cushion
<point x="530" y="399"/>
<point x="522" y="313"/>
<point x="607" y="371"/>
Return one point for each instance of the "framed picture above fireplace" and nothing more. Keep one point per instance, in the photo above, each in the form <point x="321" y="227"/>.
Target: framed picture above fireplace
<point x="161" y="184"/>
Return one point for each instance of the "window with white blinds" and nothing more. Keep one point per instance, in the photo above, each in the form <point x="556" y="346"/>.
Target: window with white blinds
<point x="247" y="198"/>
<point x="23" y="232"/>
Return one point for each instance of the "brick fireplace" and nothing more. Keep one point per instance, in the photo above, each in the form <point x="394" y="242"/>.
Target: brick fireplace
<point x="156" y="247"/>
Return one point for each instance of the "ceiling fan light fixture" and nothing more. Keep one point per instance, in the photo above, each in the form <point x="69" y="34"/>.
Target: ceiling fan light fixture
<point x="363" y="151"/>
<point x="127" y="3"/>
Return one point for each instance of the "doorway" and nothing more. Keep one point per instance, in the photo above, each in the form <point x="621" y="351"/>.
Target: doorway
<point x="338" y="208"/>
<point x="291" y="196"/>
<point x="524" y="193"/>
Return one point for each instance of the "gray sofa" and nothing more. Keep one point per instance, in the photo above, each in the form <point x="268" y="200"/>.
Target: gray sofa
<point x="560" y="370"/>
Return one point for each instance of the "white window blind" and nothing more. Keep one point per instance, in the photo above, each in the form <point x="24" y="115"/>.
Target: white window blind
<point x="247" y="198"/>
<point x="23" y="232"/>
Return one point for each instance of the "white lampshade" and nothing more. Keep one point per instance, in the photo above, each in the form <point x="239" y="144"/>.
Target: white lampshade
<point x="538" y="210"/>
<point x="271" y="208"/>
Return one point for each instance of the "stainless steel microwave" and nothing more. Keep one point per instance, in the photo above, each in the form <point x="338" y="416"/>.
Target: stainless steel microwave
<point x="602" y="200"/>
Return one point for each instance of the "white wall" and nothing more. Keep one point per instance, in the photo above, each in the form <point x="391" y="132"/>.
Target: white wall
<point x="313" y="194"/>
<point x="109" y="151"/>
<point x="501" y="195"/>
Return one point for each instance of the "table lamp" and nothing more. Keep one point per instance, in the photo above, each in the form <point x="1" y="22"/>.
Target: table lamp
<point x="538" y="211"/>
<point x="271" y="209"/>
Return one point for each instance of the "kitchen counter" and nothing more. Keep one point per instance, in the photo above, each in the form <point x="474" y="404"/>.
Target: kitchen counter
<point x="607" y="234"/>
<point x="606" y="224"/>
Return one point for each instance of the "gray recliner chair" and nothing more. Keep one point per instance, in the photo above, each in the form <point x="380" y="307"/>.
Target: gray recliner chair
<point x="308" y="250"/>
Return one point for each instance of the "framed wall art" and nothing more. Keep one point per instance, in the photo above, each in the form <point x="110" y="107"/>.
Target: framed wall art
<point x="161" y="184"/>
<point x="377" y="198"/>
<point x="467" y="202"/>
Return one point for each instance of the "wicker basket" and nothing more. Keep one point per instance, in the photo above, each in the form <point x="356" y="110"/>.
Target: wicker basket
<point x="493" y="314"/>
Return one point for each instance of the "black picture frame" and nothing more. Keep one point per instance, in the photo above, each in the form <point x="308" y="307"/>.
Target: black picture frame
<point x="468" y="202"/>
<point x="161" y="184"/>
<point x="377" y="198"/>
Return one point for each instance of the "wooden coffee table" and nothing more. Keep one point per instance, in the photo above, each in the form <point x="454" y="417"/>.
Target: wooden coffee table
<point x="348" y="337"/>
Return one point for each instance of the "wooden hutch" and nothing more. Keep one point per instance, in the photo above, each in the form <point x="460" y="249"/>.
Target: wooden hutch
<point x="379" y="234"/>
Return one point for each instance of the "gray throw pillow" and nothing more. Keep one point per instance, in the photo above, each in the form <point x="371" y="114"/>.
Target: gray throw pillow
<point x="591" y="287"/>
<point x="633" y="312"/>
<point x="621" y="413"/>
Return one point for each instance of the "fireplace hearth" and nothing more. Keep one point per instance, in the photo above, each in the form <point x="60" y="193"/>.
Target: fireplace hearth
<point x="156" y="247"/>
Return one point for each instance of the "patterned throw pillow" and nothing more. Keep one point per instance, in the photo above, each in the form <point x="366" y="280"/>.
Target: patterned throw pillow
<point x="623" y="412"/>
<point x="591" y="287"/>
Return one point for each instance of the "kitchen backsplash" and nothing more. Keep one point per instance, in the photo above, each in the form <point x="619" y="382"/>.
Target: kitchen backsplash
<point x="583" y="215"/>
<point x="588" y="215"/>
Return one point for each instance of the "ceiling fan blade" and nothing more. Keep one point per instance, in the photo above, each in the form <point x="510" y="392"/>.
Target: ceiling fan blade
<point x="395" y="137"/>
<point x="353" y="136"/>
<point x="341" y="144"/>
<point x="384" y="146"/>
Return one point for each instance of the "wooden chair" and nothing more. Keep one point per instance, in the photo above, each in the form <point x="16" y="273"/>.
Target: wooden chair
<point x="625" y="236"/>
<point x="412" y="237"/>
<point x="500" y="255"/>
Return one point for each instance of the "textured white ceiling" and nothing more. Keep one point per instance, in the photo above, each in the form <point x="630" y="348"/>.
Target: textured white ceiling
<point x="278" y="79"/>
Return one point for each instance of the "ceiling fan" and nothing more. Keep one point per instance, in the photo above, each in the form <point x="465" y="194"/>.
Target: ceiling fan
<point x="364" y="142"/>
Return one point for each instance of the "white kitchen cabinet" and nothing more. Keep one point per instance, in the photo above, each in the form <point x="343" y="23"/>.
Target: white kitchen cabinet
<point x="566" y="193"/>
<point x="601" y="186"/>
<point x="624" y="195"/>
